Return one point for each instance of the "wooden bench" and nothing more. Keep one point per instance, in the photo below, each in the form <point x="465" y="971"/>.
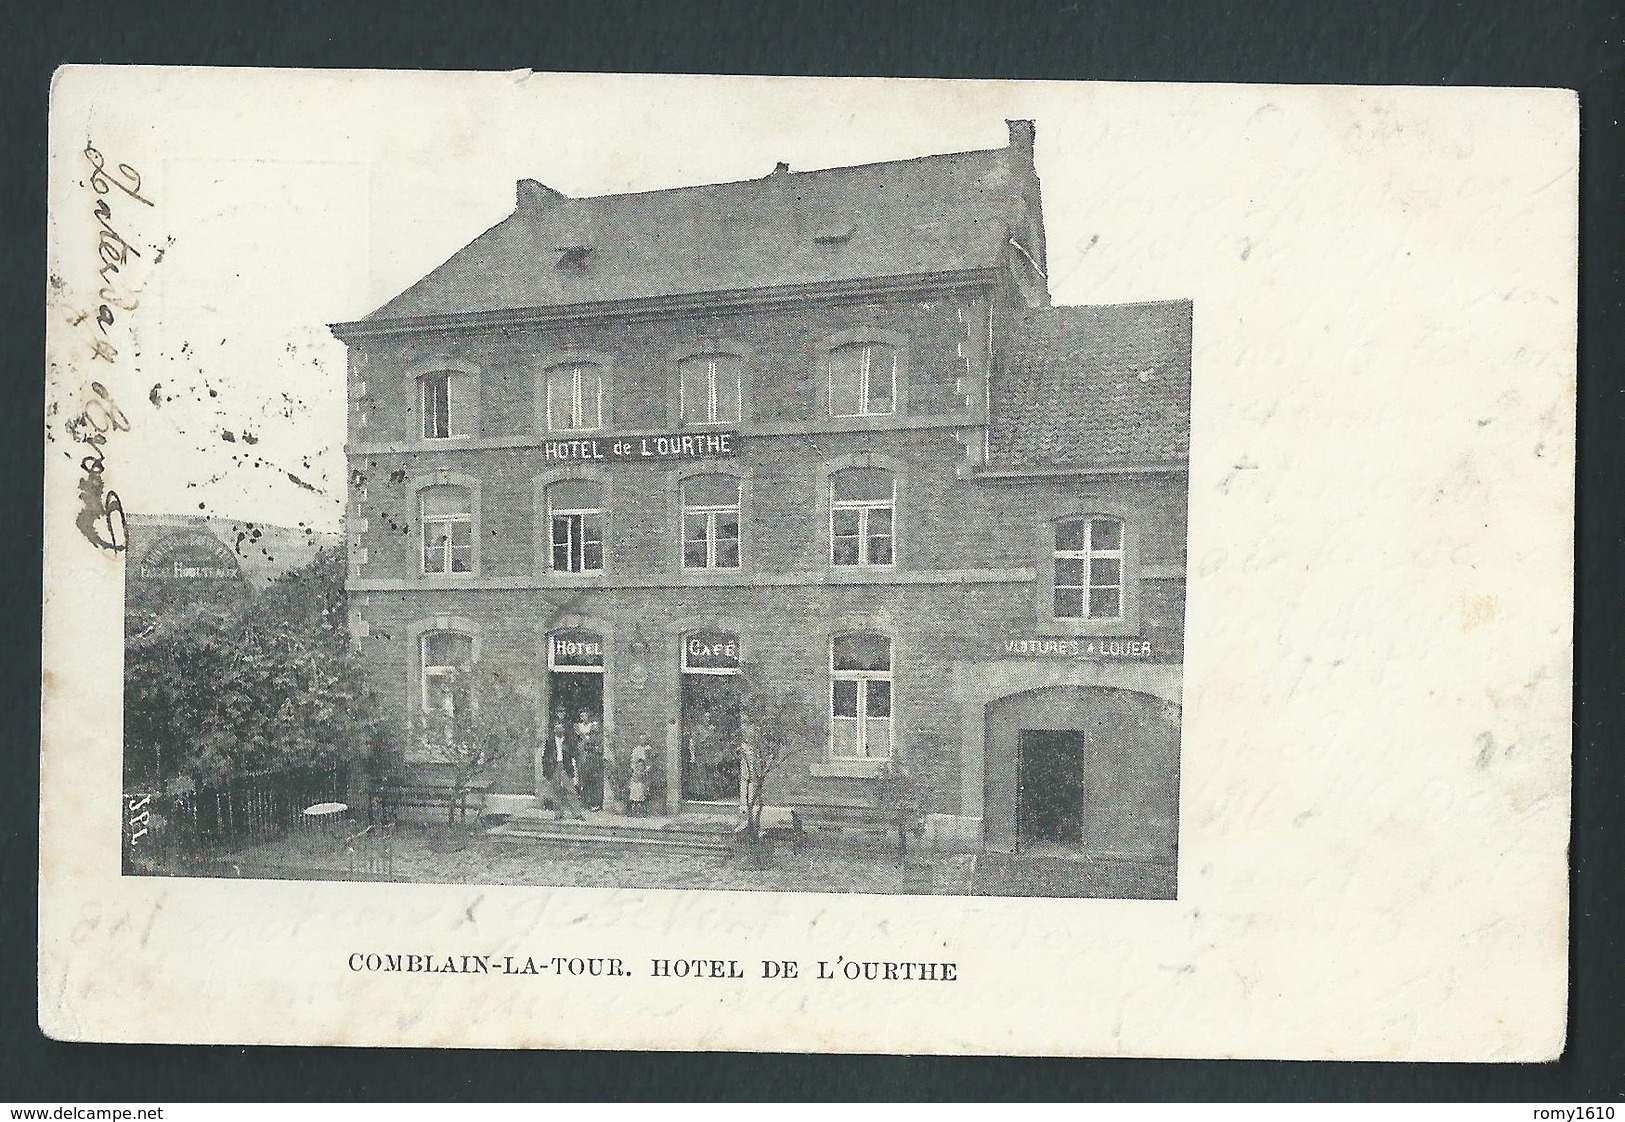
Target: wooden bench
<point x="847" y="824"/>
<point x="430" y="789"/>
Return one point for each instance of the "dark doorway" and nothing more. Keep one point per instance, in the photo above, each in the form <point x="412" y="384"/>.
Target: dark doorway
<point x="710" y="738"/>
<point x="1050" y="786"/>
<point x="573" y="695"/>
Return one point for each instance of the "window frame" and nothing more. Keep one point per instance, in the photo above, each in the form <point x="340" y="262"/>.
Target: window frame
<point x="711" y="359"/>
<point x="867" y="348"/>
<point x="1089" y="555"/>
<point x="864" y="508"/>
<point x="424" y="670"/>
<point x="710" y="511"/>
<point x="862" y="691"/>
<point x="1045" y="539"/>
<point x="576" y="366"/>
<point x="449" y="546"/>
<point x="463" y="418"/>
<point x="428" y="415"/>
<point x="575" y="544"/>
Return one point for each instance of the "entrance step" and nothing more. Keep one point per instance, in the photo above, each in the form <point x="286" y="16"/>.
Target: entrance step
<point x="509" y="804"/>
<point x="684" y="843"/>
<point x="693" y="833"/>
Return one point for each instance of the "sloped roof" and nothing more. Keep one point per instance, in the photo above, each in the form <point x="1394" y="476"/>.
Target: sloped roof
<point x="932" y="214"/>
<point x="1094" y="387"/>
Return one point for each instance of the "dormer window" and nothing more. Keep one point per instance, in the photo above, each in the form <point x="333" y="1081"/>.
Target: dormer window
<point x="574" y="257"/>
<point x="862" y="380"/>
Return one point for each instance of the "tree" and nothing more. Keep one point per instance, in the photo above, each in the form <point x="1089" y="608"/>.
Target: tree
<point x="774" y="726"/>
<point x="245" y="680"/>
<point x="903" y="799"/>
<point x="486" y="715"/>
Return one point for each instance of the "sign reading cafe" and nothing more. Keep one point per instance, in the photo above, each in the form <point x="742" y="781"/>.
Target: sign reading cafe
<point x="710" y="652"/>
<point x="662" y="447"/>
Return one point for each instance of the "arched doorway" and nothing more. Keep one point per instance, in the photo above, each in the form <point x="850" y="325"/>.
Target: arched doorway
<point x="1083" y="769"/>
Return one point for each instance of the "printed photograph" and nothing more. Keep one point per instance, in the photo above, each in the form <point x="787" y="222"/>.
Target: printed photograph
<point x="793" y="532"/>
<point x="872" y="565"/>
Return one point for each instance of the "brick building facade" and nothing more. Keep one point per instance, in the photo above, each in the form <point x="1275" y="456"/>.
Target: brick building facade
<point x="825" y="422"/>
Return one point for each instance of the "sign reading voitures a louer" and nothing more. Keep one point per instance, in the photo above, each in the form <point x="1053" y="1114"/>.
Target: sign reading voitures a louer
<point x="660" y="447"/>
<point x="1123" y="648"/>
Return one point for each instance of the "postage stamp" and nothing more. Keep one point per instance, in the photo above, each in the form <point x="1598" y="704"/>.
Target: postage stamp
<point x="808" y="564"/>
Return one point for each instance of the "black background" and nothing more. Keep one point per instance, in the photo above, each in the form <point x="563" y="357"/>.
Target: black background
<point x="1524" y="43"/>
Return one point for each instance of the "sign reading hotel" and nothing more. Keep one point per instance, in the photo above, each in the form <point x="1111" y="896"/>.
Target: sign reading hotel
<point x="1078" y="648"/>
<point x="189" y="556"/>
<point x="575" y="650"/>
<point x="663" y="447"/>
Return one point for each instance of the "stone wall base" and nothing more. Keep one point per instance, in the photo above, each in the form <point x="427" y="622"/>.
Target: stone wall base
<point x="952" y="833"/>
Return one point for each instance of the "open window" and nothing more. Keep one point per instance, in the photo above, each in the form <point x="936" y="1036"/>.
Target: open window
<point x="447" y="405"/>
<point x="446" y="514"/>
<point x="575" y="515"/>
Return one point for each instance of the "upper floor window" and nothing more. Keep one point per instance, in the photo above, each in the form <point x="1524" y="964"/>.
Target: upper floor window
<point x="862" y="502"/>
<point x="445" y="659"/>
<point x="711" y="522"/>
<point x="434" y="403"/>
<point x="448" y="529"/>
<point x="709" y="389"/>
<point x="1089" y="569"/>
<point x="448" y="403"/>
<point x="860" y="697"/>
<point x="862" y="380"/>
<point x="575" y="512"/>
<point x="575" y="396"/>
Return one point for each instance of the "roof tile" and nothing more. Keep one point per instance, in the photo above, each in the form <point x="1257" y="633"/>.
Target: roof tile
<point x="1102" y="386"/>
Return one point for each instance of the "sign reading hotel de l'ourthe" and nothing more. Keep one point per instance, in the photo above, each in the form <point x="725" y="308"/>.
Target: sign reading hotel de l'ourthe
<point x="658" y="447"/>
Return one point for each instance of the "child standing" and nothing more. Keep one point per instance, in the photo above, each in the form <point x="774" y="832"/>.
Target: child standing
<point x="638" y="778"/>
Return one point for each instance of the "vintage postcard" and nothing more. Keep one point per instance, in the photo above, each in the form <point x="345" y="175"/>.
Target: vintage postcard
<point x="808" y="564"/>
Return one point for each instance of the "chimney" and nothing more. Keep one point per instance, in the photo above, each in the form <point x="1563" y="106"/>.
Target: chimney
<point x="531" y="197"/>
<point x="1021" y="134"/>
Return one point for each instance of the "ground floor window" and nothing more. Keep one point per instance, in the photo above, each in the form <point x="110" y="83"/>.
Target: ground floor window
<point x="860" y="697"/>
<point x="446" y="657"/>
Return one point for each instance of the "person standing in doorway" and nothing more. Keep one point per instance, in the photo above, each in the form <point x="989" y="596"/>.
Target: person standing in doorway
<point x="590" y="761"/>
<point x="559" y="764"/>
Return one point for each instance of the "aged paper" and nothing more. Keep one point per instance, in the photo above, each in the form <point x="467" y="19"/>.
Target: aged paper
<point x="1221" y="706"/>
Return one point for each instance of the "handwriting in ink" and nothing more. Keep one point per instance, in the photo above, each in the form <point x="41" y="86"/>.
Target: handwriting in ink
<point x="101" y="512"/>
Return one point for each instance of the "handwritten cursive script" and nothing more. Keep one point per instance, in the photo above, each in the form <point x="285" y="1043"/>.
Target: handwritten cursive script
<point x="101" y="513"/>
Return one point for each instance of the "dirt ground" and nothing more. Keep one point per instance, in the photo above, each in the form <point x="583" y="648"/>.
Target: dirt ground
<point x="428" y="854"/>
